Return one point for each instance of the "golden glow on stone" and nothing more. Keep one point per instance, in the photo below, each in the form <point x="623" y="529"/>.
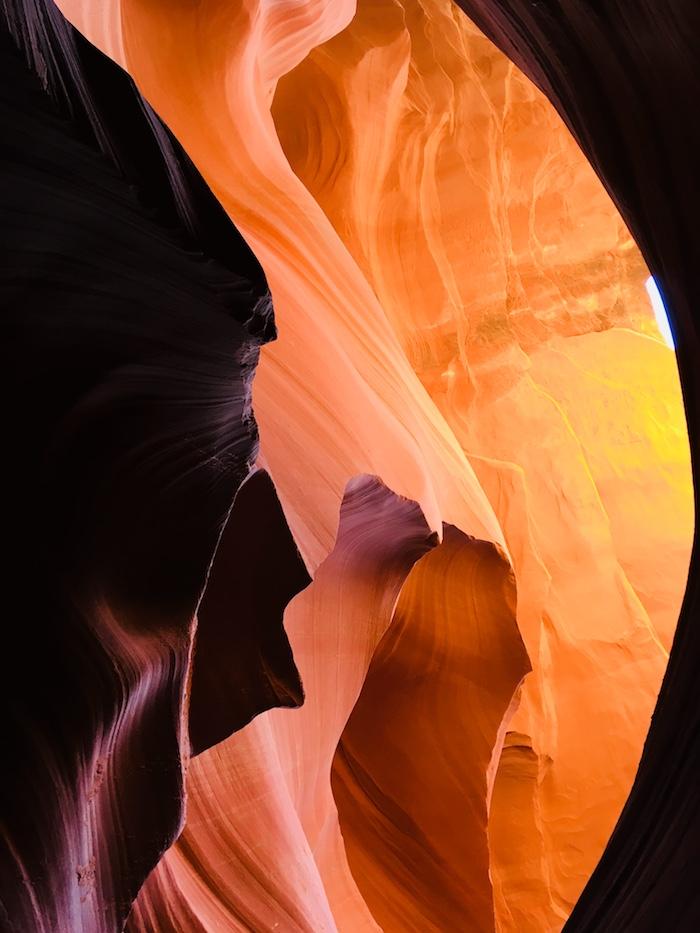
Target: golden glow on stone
<point x="462" y="313"/>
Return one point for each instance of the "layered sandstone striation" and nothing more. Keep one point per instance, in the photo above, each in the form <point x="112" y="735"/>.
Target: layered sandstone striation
<point x="459" y="404"/>
<point x="518" y="296"/>
<point x="636" y="125"/>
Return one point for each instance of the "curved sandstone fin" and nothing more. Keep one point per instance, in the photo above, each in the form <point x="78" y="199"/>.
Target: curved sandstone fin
<point x="129" y="351"/>
<point x="262" y="843"/>
<point x="412" y="776"/>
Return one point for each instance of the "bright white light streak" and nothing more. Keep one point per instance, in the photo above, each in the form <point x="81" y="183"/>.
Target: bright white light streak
<point x="657" y="304"/>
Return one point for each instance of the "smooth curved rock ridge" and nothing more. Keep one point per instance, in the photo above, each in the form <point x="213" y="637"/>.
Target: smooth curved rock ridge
<point x="518" y="296"/>
<point x="130" y="347"/>
<point x="262" y="842"/>
<point x="625" y="79"/>
<point x="414" y="770"/>
<point x="352" y="404"/>
<point x="463" y="368"/>
<point x="210" y="72"/>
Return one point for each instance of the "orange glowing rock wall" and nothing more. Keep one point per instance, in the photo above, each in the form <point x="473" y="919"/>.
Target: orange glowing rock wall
<point x="461" y="315"/>
<point x="519" y="298"/>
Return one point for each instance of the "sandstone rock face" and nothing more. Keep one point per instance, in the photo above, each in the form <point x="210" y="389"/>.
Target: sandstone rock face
<point x="519" y="298"/>
<point x="129" y="347"/>
<point x="636" y="125"/>
<point x="477" y="439"/>
<point x="414" y="771"/>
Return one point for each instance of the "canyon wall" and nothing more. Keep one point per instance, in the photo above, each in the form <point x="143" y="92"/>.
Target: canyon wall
<point x="471" y="503"/>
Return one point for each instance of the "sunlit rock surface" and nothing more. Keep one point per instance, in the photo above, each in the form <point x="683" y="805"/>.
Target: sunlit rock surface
<point x="263" y="842"/>
<point x="637" y="126"/>
<point x="461" y="315"/>
<point x="518" y="296"/>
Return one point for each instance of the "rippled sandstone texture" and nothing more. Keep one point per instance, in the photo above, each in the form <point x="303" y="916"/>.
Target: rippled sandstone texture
<point x="637" y="126"/>
<point x="263" y="843"/>
<point x="518" y="296"/>
<point x="132" y="315"/>
<point x="438" y="333"/>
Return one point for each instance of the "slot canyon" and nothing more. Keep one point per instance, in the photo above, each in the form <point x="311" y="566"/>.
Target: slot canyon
<point x="351" y="410"/>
